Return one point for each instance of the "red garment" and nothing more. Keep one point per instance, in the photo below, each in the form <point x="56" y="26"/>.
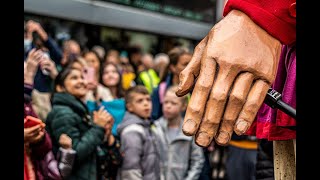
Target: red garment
<point x="29" y="173"/>
<point x="271" y="123"/>
<point x="28" y="111"/>
<point x="40" y="149"/>
<point x="26" y="167"/>
<point x="276" y="17"/>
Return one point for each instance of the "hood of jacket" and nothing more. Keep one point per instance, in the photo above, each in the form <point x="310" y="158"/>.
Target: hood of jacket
<point x="66" y="99"/>
<point x="129" y="119"/>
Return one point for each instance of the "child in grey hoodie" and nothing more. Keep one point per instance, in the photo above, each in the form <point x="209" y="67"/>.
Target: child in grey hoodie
<point x="181" y="158"/>
<point x="138" y="141"/>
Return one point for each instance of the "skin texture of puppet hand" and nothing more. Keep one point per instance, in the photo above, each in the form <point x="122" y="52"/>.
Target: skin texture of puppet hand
<point x="233" y="66"/>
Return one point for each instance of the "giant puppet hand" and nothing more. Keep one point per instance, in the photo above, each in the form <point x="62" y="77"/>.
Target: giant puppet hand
<point x="232" y="68"/>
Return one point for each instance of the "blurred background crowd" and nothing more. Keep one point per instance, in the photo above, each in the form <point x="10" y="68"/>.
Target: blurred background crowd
<point x="82" y="61"/>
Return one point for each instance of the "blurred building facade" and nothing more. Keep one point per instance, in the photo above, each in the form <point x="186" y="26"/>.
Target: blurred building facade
<point x="154" y="25"/>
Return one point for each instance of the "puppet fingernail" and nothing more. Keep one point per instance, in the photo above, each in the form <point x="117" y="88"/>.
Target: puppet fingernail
<point x="242" y="126"/>
<point x="223" y="137"/>
<point x="189" y="126"/>
<point x="203" y="139"/>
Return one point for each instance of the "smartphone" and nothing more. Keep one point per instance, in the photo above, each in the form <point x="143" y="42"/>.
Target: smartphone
<point x="46" y="55"/>
<point x="31" y="121"/>
<point x="89" y="74"/>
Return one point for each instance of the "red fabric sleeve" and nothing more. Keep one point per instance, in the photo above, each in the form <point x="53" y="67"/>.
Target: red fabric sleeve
<point x="276" y="17"/>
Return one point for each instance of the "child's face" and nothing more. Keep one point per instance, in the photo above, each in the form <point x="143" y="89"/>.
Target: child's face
<point x="140" y="105"/>
<point x="172" y="106"/>
<point x="75" y="84"/>
<point x="182" y="63"/>
<point x="110" y="76"/>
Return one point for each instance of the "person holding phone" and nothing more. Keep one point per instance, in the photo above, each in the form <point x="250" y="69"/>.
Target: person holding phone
<point x="31" y="121"/>
<point x="112" y="79"/>
<point x="37" y="37"/>
<point x="37" y="142"/>
<point x="41" y="100"/>
<point x="97" y="92"/>
<point x="39" y="162"/>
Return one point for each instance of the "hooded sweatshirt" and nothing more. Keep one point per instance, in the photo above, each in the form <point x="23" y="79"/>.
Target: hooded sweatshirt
<point x="139" y="147"/>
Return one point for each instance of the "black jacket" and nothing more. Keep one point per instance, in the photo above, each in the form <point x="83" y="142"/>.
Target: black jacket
<point x="264" y="166"/>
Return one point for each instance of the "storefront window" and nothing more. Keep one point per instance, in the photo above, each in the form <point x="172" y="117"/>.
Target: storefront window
<point x="89" y="35"/>
<point x="198" y="10"/>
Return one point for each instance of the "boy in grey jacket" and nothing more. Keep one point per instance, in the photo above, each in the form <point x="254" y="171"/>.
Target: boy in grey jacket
<point x="181" y="158"/>
<point x="138" y="141"/>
